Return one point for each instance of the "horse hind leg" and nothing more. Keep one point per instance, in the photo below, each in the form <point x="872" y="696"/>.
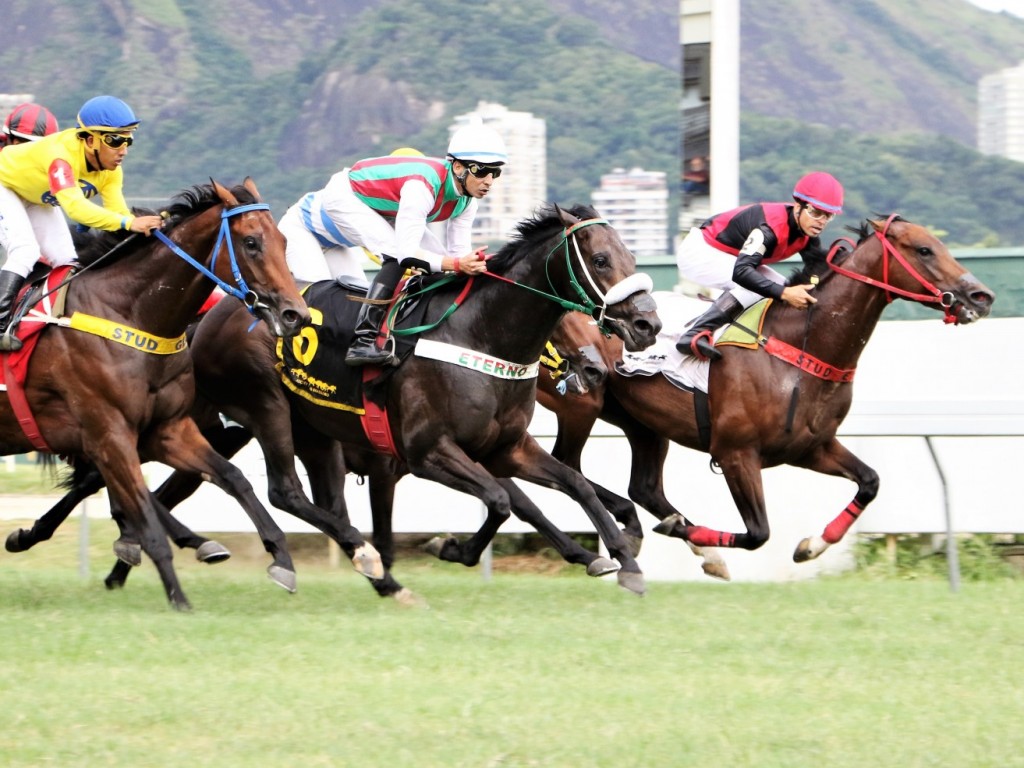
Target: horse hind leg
<point x="834" y="459"/>
<point x="86" y="481"/>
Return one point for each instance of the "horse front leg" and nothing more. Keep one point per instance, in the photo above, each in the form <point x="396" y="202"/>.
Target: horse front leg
<point x="180" y="445"/>
<point x="742" y="471"/>
<point x="528" y="461"/>
<point x="574" y="428"/>
<point x="447" y="464"/>
<point x="570" y="550"/>
<point x="835" y="459"/>
<point x="134" y="505"/>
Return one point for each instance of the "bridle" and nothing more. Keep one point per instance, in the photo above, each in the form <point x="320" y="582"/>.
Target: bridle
<point x="636" y="283"/>
<point x="945" y="299"/>
<point x="240" y="290"/>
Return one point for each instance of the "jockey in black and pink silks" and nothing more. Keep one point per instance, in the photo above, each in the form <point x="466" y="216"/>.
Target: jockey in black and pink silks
<point x="732" y="250"/>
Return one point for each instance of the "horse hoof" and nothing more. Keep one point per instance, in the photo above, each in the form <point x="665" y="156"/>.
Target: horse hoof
<point x="809" y="548"/>
<point x="716" y="569"/>
<point x="282" y="577"/>
<point x="667" y="526"/>
<point x="409" y="599"/>
<point x="633" y="543"/>
<point x="128" y="552"/>
<point x="437" y="544"/>
<point x="633" y="581"/>
<point x="211" y="552"/>
<point x="366" y="561"/>
<point x="602" y="566"/>
<point x="111" y="583"/>
<point x="13" y="543"/>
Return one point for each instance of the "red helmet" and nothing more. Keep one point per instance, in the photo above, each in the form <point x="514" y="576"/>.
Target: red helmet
<point x="821" y="190"/>
<point x="30" y="122"/>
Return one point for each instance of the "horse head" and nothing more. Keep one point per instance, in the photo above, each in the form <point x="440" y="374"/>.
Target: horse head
<point x="602" y="271"/>
<point x="908" y="261"/>
<point x="576" y="339"/>
<point x="256" y="265"/>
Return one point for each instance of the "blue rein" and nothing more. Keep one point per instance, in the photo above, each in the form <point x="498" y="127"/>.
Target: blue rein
<point x="240" y="290"/>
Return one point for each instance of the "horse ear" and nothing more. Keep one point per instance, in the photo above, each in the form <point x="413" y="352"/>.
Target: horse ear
<point x="878" y="225"/>
<point x="567" y="218"/>
<point x="224" y="194"/>
<point x="250" y="185"/>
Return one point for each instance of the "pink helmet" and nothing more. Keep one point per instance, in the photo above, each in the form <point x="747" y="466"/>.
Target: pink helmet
<point x="821" y="190"/>
<point x="30" y="122"/>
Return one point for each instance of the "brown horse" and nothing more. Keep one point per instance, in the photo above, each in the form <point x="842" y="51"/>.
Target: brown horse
<point x="326" y="473"/>
<point x="453" y="424"/>
<point x="766" y="411"/>
<point x="117" y="406"/>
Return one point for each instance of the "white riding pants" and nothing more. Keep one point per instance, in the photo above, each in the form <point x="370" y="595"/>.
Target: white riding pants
<point x="308" y="260"/>
<point x="708" y="266"/>
<point x="30" y="232"/>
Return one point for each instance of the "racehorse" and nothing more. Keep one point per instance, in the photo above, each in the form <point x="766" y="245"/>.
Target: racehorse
<point x="91" y="390"/>
<point x="456" y="425"/>
<point x="326" y="477"/>
<point x="780" y="405"/>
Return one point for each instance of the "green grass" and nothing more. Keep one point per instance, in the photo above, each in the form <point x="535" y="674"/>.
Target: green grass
<point x="523" y="670"/>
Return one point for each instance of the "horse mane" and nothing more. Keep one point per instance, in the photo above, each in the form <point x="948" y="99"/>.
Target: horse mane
<point x="544" y="223"/>
<point x="93" y="244"/>
<point x="815" y="264"/>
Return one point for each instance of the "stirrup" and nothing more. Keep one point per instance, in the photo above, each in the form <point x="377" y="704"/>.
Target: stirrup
<point x="9" y="342"/>
<point x="706" y="353"/>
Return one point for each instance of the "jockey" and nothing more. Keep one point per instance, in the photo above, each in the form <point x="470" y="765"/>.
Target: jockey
<point x="731" y="251"/>
<point x="41" y="181"/>
<point x="27" y="122"/>
<point x="384" y="205"/>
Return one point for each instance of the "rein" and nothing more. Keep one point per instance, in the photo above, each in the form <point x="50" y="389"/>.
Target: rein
<point x="240" y="290"/>
<point x="619" y="292"/>
<point x="933" y="295"/>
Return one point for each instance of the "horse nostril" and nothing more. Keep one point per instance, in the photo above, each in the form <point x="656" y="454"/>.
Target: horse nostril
<point x="983" y="298"/>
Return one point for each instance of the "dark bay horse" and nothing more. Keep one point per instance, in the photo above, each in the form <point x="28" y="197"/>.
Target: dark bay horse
<point x="326" y="474"/>
<point x="453" y="424"/>
<point x="117" y="406"/>
<point x="766" y="411"/>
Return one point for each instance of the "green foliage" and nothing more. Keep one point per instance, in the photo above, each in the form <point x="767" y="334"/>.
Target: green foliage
<point x="928" y="179"/>
<point x="917" y="559"/>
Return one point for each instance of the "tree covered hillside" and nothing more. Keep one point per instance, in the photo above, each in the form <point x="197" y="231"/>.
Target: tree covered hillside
<point x="884" y="95"/>
<point x="288" y="91"/>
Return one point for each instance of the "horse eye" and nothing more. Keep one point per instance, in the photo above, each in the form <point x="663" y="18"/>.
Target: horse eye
<point x="600" y="260"/>
<point x="925" y="251"/>
<point x="251" y="243"/>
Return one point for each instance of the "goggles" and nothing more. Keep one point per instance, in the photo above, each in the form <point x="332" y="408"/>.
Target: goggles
<point x="480" y="171"/>
<point x="116" y="140"/>
<point x="817" y="214"/>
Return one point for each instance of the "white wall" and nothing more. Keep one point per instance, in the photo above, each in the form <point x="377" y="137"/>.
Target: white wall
<point x="924" y="367"/>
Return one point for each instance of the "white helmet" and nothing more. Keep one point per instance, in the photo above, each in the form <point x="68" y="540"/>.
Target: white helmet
<point x="479" y="144"/>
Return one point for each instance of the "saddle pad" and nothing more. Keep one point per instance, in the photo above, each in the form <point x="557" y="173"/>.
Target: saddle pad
<point x="30" y="328"/>
<point x="312" y="364"/>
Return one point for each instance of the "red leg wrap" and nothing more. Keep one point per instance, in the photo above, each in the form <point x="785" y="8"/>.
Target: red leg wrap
<point x="706" y="537"/>
<point x="835" y="530"/>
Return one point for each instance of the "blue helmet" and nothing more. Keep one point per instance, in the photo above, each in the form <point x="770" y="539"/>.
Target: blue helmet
<point x="107" y="113"/>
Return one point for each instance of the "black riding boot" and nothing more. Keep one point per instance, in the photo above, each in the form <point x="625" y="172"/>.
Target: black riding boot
<point x="697" y="341"/>
<point x="364" y="349"/>
<point x="10" y="284"/>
